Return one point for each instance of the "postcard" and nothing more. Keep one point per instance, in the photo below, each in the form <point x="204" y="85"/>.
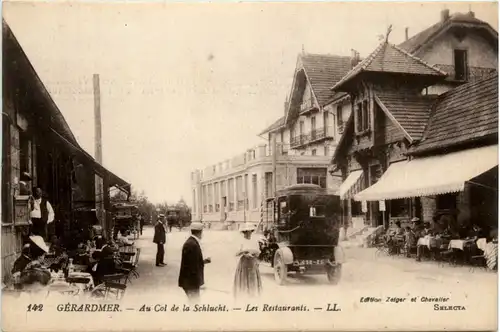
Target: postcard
<point x="249" y="166"/>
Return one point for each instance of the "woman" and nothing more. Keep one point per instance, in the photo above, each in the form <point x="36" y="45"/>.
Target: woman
<point x="247" y="277"/>
<point x="28" y="271"/>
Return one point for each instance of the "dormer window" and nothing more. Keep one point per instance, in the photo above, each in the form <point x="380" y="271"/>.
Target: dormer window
<point x="362" y="117"/>
<point x="461" y="67"/>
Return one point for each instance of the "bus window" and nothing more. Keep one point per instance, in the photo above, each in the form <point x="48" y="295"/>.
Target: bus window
<point x="317" y="211"/>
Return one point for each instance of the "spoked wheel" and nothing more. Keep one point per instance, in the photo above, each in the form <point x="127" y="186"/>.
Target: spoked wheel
<point x="280" y="269"/>
<point x="334" y="274"/>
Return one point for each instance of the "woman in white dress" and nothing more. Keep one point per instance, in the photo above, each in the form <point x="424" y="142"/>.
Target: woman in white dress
<point x="247" y="280"/>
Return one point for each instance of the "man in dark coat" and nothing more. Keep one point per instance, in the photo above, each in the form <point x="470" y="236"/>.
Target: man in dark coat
<point x="191" y="275"/>
<point x="160" y="238"/>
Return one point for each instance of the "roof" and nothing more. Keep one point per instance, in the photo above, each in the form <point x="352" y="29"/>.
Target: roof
<point x="388" y="58"/>
<point x="321" y="71"/>
<point x="465" y="114"/>
<point x="416" y="42"/>
<point x="324" y="70"/>
<point x="19" y="66"/>
<point x="276" y="125"/>
<point x="411" y="111"/>
<point x="474" y="73"/>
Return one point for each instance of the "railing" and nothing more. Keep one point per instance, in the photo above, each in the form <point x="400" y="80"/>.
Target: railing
<point x="299" y="140"/>
<point x="307" y="105"/>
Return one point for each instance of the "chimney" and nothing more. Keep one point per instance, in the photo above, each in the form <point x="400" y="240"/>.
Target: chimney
<point x="354" y="58"/>
<point x="406" y="33"/>
<point x="445" y="15"/>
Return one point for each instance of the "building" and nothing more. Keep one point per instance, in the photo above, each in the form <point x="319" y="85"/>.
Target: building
<point x="236" y="190"/>
<point x="398" y="93"/>
<point x="39" y="149"/>
<point x="304" y="140"/>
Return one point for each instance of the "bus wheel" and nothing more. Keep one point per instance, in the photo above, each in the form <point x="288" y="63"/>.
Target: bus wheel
<point x="280" y="269"/>
<point x="334" y="273"/>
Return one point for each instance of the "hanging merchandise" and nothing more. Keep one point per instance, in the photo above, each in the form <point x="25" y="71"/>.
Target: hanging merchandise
<point x="381" y="205"/>
<point x="364" y="206"/>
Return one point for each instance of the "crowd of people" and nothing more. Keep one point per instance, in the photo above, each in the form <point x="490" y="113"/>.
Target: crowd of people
<point x="46" y="256"/>
<point x="420" y="237"/>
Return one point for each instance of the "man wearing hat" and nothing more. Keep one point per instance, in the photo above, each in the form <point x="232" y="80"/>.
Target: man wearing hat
<point x="160" y="238"/>
<point x="191" y="275"/>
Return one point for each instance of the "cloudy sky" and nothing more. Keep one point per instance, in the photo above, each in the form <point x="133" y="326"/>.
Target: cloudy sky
<point x="188" y="85"/>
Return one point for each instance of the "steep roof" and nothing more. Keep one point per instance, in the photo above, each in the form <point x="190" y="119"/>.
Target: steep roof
<point x="276" y="125"/>
<point x="324" y="70"/>
<point x="416" y="42"/>
<point x="16" y="64"/>
<point x="410" y="111"/>
<point x="464" y="114"/>
<point x="389" y="58"/>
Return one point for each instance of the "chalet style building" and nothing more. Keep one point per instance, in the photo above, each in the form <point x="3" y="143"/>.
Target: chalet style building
<point x="423" y="126"/>
<point x="304" y="139"/>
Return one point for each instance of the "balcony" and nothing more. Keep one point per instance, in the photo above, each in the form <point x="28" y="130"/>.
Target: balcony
<point x="308" y="106"/>
<point x="299" y="141"/>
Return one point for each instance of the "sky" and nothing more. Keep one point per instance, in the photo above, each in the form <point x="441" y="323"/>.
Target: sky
<point x="185" y="86"/>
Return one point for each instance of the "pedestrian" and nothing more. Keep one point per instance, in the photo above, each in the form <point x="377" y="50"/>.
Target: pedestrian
<point x="41" y="213"/>
<point x="160" y="237"/>
<point x="141" y="223"/>
<point x="247" y="281"/>
<point x="191" y="274"/>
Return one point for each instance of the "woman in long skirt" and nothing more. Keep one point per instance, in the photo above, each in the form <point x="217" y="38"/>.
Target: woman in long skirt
<point x="247" y="280"/>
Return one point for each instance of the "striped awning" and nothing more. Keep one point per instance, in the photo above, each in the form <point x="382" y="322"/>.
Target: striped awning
<point x="349" y="183"/>
<point x="430" y="176"/>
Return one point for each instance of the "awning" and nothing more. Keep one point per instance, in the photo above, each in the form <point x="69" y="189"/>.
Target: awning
<point x="429" y="176"/>
<point x="83" y="156"/>
<point x="349" y="182"/>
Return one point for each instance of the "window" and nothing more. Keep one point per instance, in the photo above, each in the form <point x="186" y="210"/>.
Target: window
<point x="230" y="194"/>
<point x="239" y="193"/>
<point x="461" y="67"/>
<point x="194" y="200"/>
<point x="327" y="152"/>
<point x="254" y="191"/>
<point x="362" y="117"/>
<point x="204" y="198"/>
<point x="282" y="134"/>
<point x="216" y="196"/>
<point x="24" y="153"/>
<point x="446" y="202"/>
<point x="313" y="152"/>
<point x="313" y="123"/>
<point x="325" y="123"/>
<point x="400" y="207"/>
<point x="339" y="116"/>
<point x="312" y="176"/>
<point x="246" y="191"/>
<point x="269" y="184"/>
<point x="210" y="198"/>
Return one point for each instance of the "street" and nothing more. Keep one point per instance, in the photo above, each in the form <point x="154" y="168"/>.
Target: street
<point x="364" y="275"/>
<point x="374" y="293"/>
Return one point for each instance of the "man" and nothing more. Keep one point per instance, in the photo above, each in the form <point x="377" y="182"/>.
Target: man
<point x="160" y="238"/>
<point x="41" y="213"/>
<point x="141" y="223"/>
<point x="191" y="275"/>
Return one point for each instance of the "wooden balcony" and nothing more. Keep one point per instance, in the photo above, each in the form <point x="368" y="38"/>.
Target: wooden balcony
<point x="308" y="106"/>
<point x="298" y="141"/>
